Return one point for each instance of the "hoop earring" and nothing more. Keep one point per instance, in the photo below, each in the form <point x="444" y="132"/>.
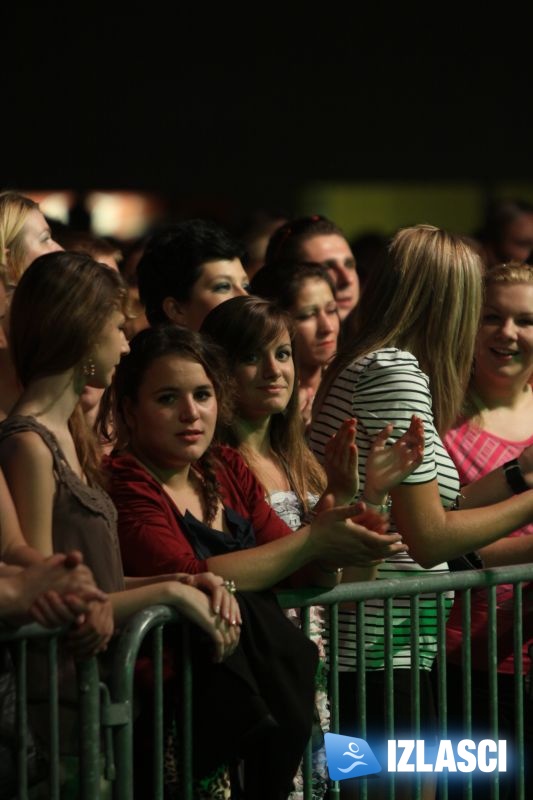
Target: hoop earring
<point x="89" y="368"/>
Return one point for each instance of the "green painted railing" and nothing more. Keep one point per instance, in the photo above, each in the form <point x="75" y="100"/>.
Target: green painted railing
<point x="439" y="585"/>
<point x="19" y="641"/>
<point x="107" y="712"/>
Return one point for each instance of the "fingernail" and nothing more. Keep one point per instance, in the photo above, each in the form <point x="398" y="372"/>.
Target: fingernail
<point x="217" y="609"/>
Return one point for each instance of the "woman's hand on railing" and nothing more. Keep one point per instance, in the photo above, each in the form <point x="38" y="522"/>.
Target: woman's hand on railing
<point x="55" y="591"/>
<point x="388" y="465"/>
<point x="197" y="606"/>
<point x="94" y="633"/>
<point x="223" y="602"/>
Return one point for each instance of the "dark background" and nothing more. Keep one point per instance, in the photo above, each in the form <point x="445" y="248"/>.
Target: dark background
<point x="249" y="106"/>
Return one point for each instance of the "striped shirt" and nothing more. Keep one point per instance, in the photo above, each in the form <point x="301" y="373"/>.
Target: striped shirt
<point x="382" y="387"/>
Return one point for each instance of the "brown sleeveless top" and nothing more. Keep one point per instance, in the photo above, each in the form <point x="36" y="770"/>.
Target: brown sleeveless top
<point x="84" y="517"/>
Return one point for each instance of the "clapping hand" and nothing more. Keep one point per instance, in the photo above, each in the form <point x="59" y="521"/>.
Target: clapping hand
<point x="340" y="463"/>
<point x="388" y="465"/>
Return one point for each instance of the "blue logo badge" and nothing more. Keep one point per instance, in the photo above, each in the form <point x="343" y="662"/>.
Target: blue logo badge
<point x="349" y="757"/>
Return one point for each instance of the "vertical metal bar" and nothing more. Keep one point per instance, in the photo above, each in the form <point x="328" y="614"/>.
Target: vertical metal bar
<point x="518" y="639"/>
<point x="493" y="679"/>
<point x="53" y="701"/>
<point x="307" y="762"/>
<point x="89" y="707"/>
<point x="157" y="655"/>
<point x="361" y="680"/>
<point x="22" y="720"/>
<point x="466" y="662"/>
<point x="334" y="666"/>
<point x="442" y="700"/>
<point x="388" y="651"/>
<point x="415" y="680"/>
<point x="334" y="789"/>
<point x="186" y="731"/>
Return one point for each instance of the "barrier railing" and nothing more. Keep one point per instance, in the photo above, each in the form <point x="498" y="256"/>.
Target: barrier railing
<point x="107" y="712"/>
<point x="43" y="757"/>
<point x="413" y="588"/>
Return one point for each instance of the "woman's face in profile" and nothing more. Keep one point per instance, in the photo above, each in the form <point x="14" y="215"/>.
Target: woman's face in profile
<point x="36" y="238"/>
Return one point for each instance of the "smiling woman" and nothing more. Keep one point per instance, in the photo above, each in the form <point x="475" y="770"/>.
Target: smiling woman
<point x="496" y="426"/>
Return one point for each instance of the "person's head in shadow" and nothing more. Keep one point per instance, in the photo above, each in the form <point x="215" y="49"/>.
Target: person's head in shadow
<point x="186" y="270"/>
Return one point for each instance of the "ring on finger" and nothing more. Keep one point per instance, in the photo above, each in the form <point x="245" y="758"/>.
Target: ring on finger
<point x="230" y="586"/>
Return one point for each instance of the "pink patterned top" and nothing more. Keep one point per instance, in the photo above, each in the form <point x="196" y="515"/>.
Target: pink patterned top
<point x="475" y="453"/>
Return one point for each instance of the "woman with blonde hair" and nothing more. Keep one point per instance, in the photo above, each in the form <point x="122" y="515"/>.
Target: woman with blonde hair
<point x="409" y="350"/>
<point x="494" y="427"/>
<point x="24" y="234"/>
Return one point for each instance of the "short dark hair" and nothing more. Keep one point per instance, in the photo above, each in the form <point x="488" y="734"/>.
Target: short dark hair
<point x="280" y="282"/>
<point x="173" y="259"/>
<point x="286" y="241"/>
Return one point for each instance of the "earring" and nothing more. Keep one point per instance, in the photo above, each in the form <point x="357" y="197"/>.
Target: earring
<point x="89" y="368"/>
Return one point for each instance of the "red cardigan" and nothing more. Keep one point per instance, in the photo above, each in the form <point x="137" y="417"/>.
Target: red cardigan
<point x="151" y="538"/>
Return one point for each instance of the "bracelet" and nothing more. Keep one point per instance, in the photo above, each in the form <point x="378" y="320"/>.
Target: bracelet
<point x="337" y="571"/>
<point x="514" y="476"/>
<point x="382" y="508"/>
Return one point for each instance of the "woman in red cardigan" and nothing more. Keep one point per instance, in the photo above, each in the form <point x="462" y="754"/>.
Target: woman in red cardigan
<point x="184" y="503"/>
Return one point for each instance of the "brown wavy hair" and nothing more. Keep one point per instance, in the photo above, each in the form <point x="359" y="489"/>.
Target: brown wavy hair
<point x="58" y="310"/>
<point x="246" y="324"/>
<point x="164" y="340"/>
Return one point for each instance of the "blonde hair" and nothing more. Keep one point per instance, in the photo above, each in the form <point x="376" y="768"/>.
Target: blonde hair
<point x="511" y="274"/>
<point x="426" y="299"/>
<point x="14" y="210"/>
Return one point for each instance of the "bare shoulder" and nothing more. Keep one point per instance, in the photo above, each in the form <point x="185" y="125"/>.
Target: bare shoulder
<point x="25" y="447"/>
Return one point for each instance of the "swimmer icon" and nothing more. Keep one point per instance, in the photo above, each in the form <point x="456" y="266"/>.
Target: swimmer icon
<point x="349" y="757"/>
<point x="353" y="752"/>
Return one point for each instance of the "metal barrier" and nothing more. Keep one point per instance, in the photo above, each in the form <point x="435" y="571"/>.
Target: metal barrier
<point x="107" y="713"/>
<point x="119" y="712"/>
<point x="17" y="641"/>
<point x="440" y="585"/>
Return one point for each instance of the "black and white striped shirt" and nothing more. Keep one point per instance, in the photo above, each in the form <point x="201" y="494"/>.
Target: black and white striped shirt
<point x="384" y="387"/>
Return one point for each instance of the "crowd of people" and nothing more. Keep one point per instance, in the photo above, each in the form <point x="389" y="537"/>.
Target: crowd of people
<point x="195" y="435"/>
